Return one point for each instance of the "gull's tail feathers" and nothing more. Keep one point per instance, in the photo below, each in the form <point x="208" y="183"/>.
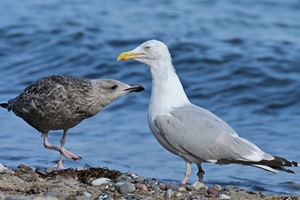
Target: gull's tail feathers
<point x="277" y="163"/>
<point x="4" y="105"/>
<point x="7" y="105"/>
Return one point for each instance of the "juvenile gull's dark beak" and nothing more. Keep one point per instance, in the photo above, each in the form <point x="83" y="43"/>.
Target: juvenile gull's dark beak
<point x="135" y="88"/>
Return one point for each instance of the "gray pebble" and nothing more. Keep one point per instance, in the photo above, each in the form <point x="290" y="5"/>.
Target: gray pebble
<point x="16" y="197"/>
<point x="87" y="194"/>
<point x="41" y="172"/>
<point x="262" y="195"/>
<point x="172" y="187"/>
<point x="128" y="198"/>
<point x="53" y="194"/>
<point x="155" y="188"/>
<point x="49" y="170"/>
<point x="213" y="192"/>
<point x="86" y="180"/>
<point x="100" y="181"/>
<point x="2" y="168"/>
<point x="2" y="196"/>
<point x="119" y="184"/>
<point x="181" y="189"/>
<point x="105" y="197"/>
<point x="33" y="168"/>
<point x="124" y="178"/>
<point x="197" y="185"/>
<point x="190" y="187"/>
<point x="127" y="187"/>
<point x="169" y="193"/>
<point x="113" y="188"/>
<point x="148" y="198"/>
<point x="195" y="197"/>
<point x="139" y="179"/>
<point x="224" y="196"/>
<point x="152" y="181"/>
<point x="229" y="187"/>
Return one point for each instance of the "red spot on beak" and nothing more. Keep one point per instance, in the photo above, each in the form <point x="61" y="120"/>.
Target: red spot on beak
<point x="123" y="58"/>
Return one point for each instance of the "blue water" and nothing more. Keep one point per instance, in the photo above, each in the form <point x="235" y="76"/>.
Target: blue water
<point x="239" y="59"/>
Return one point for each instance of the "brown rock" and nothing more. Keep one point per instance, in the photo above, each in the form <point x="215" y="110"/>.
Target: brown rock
<point x="143" y="187"/>
<point x="163" y="186"/>
<point x="211" y="192"/>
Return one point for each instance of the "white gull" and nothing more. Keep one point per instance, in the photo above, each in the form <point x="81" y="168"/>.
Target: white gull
<point x="189" y="131"/>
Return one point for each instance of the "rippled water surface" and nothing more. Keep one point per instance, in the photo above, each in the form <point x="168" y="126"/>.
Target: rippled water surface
<point x="239" y="59"/>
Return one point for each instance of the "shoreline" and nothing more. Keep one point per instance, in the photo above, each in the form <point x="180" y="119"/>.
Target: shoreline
<point x="29" y="183"/>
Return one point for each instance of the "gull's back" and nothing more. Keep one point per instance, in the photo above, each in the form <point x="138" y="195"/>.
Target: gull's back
<point x="53" y="103"/>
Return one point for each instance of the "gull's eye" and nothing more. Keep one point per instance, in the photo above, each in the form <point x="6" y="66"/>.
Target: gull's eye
<point x="114" y="87"/>
<point x="147" y="48"/>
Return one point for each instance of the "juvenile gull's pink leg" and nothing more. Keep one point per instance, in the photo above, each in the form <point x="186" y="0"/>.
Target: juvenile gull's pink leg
<point x="61" y="149"/>
<point x="64" y="151"/>
<point x="59" y="165"/>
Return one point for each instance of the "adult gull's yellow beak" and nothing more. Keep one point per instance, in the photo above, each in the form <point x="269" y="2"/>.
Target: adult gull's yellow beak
<point x="127" y="55"/>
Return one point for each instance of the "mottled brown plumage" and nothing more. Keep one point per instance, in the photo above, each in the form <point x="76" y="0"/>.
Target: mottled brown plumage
<point x="60" y="102"/>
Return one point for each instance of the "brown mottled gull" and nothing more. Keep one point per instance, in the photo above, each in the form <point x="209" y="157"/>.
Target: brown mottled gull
<point x="187" y="130"/>
<point x="61" y="102"/>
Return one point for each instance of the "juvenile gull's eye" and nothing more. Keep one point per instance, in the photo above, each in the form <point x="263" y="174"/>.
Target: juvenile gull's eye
<point x="114" y="87"/>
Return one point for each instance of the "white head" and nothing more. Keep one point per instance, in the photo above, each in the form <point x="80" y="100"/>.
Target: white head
<point x="150" y="52"/>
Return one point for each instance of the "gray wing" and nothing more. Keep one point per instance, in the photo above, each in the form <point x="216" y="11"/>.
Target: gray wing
<point x="199" y="135"/>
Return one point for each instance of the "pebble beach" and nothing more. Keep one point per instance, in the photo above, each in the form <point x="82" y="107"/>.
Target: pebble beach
<point x="30" y="183"/>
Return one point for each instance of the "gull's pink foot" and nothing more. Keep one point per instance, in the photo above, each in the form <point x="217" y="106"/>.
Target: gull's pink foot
<point x="58" y="167"/>
<point x="69" y="154"/>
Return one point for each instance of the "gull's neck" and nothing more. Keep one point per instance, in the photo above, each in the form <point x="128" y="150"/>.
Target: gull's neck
<point x="167" y="91"/>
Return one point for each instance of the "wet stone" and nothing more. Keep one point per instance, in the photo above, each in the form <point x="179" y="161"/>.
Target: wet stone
<point x="128" y="198"/>
<point x="224" y="196"/>
<point x="104" y="197"/>
<point x="119" y="184"/>
<point x="127" y="187"/>
<point x="49" y="170"/>
<point x="139" y="179"/>
<point x="3" y="168"/>
<point x="162" y="186"/>
<point x="190" y="187"/>
<point x="41" y="172"/>
<point x="197" y="185"/>
<point x="142" y="187"/>
<point x="16" y="197"/>
<point x="181" y="189"/>
<point x="124" y="178"/>
<point x="169" y="193"/>
<point x="172" y="187"/>
<point x="87" y="194"/>
<point x="217" y="187"/>
<point x="195" y="197"/>
<point x="85" y="180"/>
<point x="152" y="181"/>
<point x="211" y="192"/>
<point x="100" y="181"/>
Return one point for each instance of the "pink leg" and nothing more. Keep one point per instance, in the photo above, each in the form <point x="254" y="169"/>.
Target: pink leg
<point x="187" y="173"/>
<point x="59" y="165"/>
<point x="61" y="149"/>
